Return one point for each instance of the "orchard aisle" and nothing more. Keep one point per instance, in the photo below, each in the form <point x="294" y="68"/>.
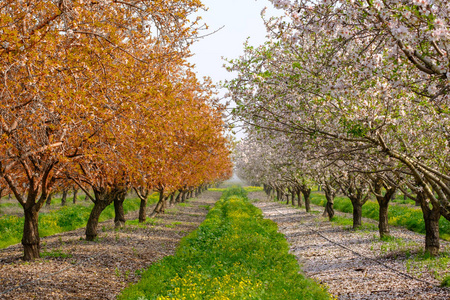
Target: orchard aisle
<point x="101" y="269"/>
<point x="349" y="275"/>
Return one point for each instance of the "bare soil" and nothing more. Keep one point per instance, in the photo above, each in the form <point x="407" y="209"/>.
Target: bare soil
<point x="76" y="269"/>
<point x="356" y="264"/>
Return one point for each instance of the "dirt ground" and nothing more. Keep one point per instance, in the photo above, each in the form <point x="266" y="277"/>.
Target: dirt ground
<point x="356" y="264"/>
<point x="72" y="268"/>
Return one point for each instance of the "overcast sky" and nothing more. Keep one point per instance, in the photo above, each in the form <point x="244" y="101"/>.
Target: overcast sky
<point x="241" y="19"/>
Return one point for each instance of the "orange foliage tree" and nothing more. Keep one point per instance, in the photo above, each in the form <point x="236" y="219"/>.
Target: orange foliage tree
<point x="64" y="77"/>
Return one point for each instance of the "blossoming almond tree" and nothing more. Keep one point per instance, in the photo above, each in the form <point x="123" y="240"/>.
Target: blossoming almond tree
<point x="353" y="95"/>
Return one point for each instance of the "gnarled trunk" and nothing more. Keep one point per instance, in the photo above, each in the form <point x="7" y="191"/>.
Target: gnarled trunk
<point x="119" y="218"/>
<point x="329" y="209"/>
<point x="357" y="214"/>
<point x="143" y="210"/>
<point x="383" y="202"/>
<point x="75" y="192"/>
<point x="172" y="199"/>
<point x="299" y="198"/>
<point x="30" y="238"/>
<point x="160" y="206"/>
<point x="178" y="198"/>
<point x="306" y="194"/>
<point x="92" y="224"/>
<point x="383" y="220"/>
<point x="102" y="200"/>
<point x="49" y="200"/>
<point x="431" y="217"/>
<point x="63" y="198"/>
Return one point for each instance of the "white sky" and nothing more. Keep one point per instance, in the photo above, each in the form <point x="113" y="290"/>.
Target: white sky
<point x="242" y="19"/>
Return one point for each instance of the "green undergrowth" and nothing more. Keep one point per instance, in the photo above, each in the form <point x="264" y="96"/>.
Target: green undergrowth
<point x="408" y="217"/>
<point x="348" y="223"/>
<point x="234" y="254"/>
<point x="63" y="219"/>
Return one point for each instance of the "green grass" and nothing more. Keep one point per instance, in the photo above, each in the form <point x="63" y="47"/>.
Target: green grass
<point x="424" y="262"/>
<point x="234" y="254"/>
<point x="348" y="223"/>
<point x="55" y="253"/>
<point x="66" y="218"/>
<point x="409" y="217"/>
<point x="446" y="281"/>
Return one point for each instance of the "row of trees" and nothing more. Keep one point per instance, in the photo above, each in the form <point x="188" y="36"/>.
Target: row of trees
<point x="99" y="94"/>
<point x="354" y="96"/>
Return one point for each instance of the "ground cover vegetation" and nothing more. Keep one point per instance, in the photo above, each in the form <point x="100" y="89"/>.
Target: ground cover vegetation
<point x="99" y="96"/>
<point x="66" y="218"/>
<point x="233" y="254"/>
<point x="352" y="96"/>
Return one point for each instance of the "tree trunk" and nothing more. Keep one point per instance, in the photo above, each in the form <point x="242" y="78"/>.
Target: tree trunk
<point x="357" y="214"/>
<point x="143" y="210"/>
<point x="383" y="220"/>
<point x="63" y="198"/>
<point x="30" y="238"/>
<point x="293" y="198"/>
<point x="329" y="209"/>
<point x="75" y="192"/>
<point x="178" y="198"/>
<point x="119" y="218"/>
<point x="92" y="224"/>
<point x="431" y="217"/>
<point x="383" y="202"/>
<point x="306" y="194"/>
<point x="49" y="200"/>
<point x="183" y="196"/>
<point x="299" y="198"/>
<point x="172" y="199"/>
<point x="159" y="208"/>
<point x="102" y="200"/>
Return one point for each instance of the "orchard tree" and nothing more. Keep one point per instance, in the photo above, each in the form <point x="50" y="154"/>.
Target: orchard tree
<point x="62" y="63"/>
